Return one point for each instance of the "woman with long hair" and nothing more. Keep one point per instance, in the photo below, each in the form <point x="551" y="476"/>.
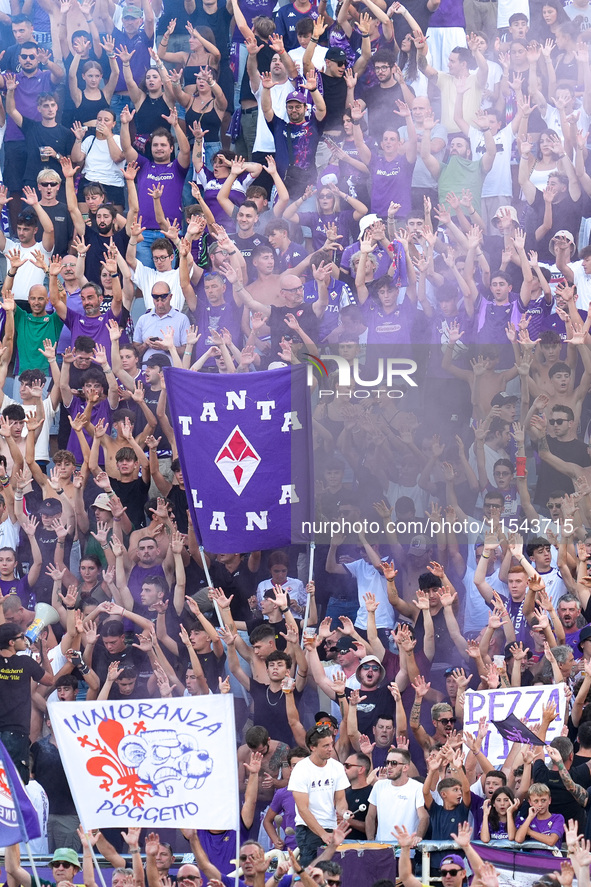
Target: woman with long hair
<point x="206" y="107"/>
<point x="334" y="208"/>
<point x="92" y="99"/>
<point x="203" y="53"/>
<point x="498" y="816"/>
<point x="152" y="99"/>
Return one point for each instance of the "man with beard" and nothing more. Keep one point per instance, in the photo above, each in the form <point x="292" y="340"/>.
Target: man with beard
<point x="442" y="716"/>
<point x="381" y="98"/>
<point x="297" y="140"/>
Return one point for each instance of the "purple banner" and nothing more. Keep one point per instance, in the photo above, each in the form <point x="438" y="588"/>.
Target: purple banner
<point x="245" y="446"/>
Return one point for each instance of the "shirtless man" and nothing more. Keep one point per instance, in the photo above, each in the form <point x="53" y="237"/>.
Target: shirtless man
<point x="561" y="382"/>
<point x="546" y="354"/>
<point x="266" y="286"/>
<point x="484" y="379"/>
<point x="272" y="752"/>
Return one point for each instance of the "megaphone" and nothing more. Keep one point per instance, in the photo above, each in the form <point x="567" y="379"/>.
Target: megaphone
<point x="45" y="615"/>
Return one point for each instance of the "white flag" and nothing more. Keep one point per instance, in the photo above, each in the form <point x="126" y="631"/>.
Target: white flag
<point x="154" y="763"/>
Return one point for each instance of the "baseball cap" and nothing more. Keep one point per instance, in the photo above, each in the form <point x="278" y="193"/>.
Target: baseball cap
<point x="343" y="645"/>
<point x="102" y="501"/>
<point x="562" y="233"/>
<point x="50" y="507"/>
<point x="366" y="221"/>
<point x="296" y="96"/>
<point x="418" y="546"/>
<point x="499" y="400"/>
<point x="132" y="12"/>
<point x="335" y="54"/>
<point x="65" y="854"/>
<point x="453" y="859"/>
<point x="324" y="716"/>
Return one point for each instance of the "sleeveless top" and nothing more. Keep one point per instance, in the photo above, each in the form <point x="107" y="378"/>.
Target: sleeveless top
<point x="190" y="73"/>
<point x="148" y="117"/>
<point x="88" y="109"/>
<point x="208" y="119"/>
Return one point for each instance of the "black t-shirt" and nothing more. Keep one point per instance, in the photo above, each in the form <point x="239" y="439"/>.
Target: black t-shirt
<point x="421" y="14"/>
<point x="134" y="496"/>
<point x="59" y="137"/>
<point x="549" y="478"/>
<point x="253" y="621"/>
<point x="63" y="229"/>
<point x="379" y="704"/>
<point x="178" y="499"/>
<point x="381" y="103"/>
<point x="244" y="583"/>
<point x="566" y="216"/>
<point x="47" y="769"/>
<point x="15" y="692"/>
<point x="305" y="317"/>
<point x="197" y="584"/>
<point x="355" y="797"/>
<point x="101" y="660"/>
<point x="334" y="92"/>
<point x="269" y="711"/>
<point x="213" y="668"/>
<point x="246" y="246"/>
<point x="562" y="801"/>
<point x="98" y="248"/>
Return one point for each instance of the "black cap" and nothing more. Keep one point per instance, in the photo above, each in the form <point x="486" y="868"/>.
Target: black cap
<point x="499" y="400"/>
<point x="324" y="716"/>
<point x="50" y="507"/>
<point x="335" y="54"/>
<point x="345" y="644"/>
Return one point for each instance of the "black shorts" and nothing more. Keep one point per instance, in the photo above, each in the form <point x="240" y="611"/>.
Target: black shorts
<point x="15" y="161"/>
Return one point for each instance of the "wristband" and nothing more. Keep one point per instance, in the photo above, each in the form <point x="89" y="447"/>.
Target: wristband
<point x="104" y="547"/>
<point x="137" y="850"/>
<point x="313" y="39"/>
<point x="68" y="608"/>
<point x="232" y="253"/>
<point x="114" y="275"/>
<point x="356" y="122"/>
<point x="11" y="274"/>
<point x="18" y="498"/>
<point x="59" y="541"/>
<point x="485" y="556"/>
<point x="117" y="519"/>
<point x="520" y="462"/>
<point x="59" y="492"/>
<point x="283" y="611"/>
<point x="341" y="695"/>
<point x="126" y="65"/>
<point x="84" y="669"/>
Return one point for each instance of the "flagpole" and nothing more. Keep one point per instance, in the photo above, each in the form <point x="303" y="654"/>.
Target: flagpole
<point x="32" y="861"/>
<point x="208" y="579"/>
<point x="310" y="574"/>
<point x="95" y="860"/>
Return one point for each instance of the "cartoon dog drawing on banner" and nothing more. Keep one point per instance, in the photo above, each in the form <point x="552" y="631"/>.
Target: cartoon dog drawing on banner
<point x="162" y="756"/>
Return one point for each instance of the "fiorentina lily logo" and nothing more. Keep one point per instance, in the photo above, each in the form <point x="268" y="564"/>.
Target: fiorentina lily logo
<point x="237" y="460"/>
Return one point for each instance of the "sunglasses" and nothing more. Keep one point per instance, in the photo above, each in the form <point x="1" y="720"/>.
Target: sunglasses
<point x="348" y="767"/>
<point x="451" y="872"/>
<point x="160" y="296"/>
<point x="48" y="184"/>
<point x="446" y="721"/>
<point x="341" y="65"/>
<point x="27" y="55"/>
<point x="333" y="880"/>
<point x="323" y="730"/>
<point x="370" y="668"/>
<point x="243" y="857"/>
<point x="557" y="421"/>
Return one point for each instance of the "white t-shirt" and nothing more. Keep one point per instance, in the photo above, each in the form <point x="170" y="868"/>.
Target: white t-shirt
<point x="28" y="275"/>
<point x="582" y="282"/>
<point x="369" y="580"/>
<point x="99" y="166"/>
<point x="506" y="8"/>
<point x="294" y="587"/>
<point x="145" y="278"/>
<point x="42" y="443"/>
<point x="476" y="611"/>
<point x="9" y="533"/>
<point x="576" y="12"/>
<point x="264" y="140"/>
<point x="396" y="805"/>
<point x="318" y="55"/>
<point x="498" y="181"/>
<point x="552" y="120"/>
<point x="555" y="586"/>
<point x="320" y="784"/>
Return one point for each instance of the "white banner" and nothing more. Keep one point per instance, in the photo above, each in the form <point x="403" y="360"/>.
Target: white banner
<point x="151" y="763"/>
<point x="523" y="702"/>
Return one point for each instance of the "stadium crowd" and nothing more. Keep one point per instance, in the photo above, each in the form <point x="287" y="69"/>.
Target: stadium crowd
<point x="233" y="187"/>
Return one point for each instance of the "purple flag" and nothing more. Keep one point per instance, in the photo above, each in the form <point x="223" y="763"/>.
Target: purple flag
<point x="18" y="817"/>
<point x="245" y="446"/>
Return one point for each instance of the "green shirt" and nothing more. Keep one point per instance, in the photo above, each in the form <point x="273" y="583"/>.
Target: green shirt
<point x="30" y="333"/>
<point x="457" y="174"/>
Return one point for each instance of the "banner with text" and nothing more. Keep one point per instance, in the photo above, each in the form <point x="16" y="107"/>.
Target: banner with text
<point x="497" y="705"/>
<point x="150" y="763"/>
<point x="245" y="446"/>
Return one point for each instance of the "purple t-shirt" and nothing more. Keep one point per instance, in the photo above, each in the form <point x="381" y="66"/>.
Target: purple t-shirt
<point x="95" y="327"/>
<point x="172" y="176"/>
<point x="221" y="849"/>
<point x="317" y="223"/>
<point x="211" y="188"/>
<point x="390" y="181"/>
<point x="394" y="328"/>
<point x="450" y="14"/>
<point x="20" y="587"/>
<point x="25" y="96"/>
<point x="284" y="803"/>
<point x="554" y="825"/>
<point x="140" y="60"/>
<point x="101" y="410"/>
